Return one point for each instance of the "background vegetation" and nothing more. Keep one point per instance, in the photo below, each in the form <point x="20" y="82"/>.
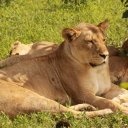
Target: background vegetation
<point x="37" y="20"/>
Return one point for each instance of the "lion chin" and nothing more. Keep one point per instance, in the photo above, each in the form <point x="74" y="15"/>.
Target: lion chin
<point x="95" y="65"/>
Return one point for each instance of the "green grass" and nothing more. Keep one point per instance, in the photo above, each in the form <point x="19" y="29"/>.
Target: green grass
<point x="37" y="20"/>
<point x="46" y="120"/>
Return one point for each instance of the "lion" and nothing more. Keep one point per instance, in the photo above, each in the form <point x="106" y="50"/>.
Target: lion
<point x="35" y="49"/>
<point x="45" y="47"/>
<point x="77" y="71"/>
<point x="118" y="63"/>
<point x="19" y="50"/>
<point x="113" y="51"/>
<point x="118" y="69"/>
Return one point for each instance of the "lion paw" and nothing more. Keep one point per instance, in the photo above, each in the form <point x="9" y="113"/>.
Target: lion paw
<point x="83" y="107"/>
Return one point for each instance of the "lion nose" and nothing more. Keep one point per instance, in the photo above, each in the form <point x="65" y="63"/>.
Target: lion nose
<point x="104" y="55"/>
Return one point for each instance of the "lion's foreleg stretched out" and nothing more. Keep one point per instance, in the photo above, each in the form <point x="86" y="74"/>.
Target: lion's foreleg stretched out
<point x="17" y="100"/>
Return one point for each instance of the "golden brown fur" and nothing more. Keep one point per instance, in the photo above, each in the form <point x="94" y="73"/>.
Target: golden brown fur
<point x="35" y="49"/>
<point x="113" y="51"/>
<point x="77" y="70"/>
<point x="118" y="63"/>
<point x="20" y="52"/>
<point x="118" y="69"/>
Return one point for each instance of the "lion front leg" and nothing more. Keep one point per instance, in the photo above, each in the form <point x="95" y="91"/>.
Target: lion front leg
<point x="17" y="100"/>
<point x="81" y="107"/>
<point x="117" y="94"/>
<point x="100" y="102"/>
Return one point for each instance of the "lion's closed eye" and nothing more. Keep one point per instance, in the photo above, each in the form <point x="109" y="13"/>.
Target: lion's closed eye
<point x="89" y="43"/>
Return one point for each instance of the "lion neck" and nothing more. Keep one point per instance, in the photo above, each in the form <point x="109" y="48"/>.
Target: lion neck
<point x="65" y="54"/>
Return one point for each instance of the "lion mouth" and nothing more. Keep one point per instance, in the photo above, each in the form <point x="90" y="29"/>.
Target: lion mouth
<point x="95" y="65"/>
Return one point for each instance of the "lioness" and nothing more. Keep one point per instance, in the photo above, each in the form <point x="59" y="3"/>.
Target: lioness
<point x="44" y="48"/>
<point x="118" y="64"/>
<point x="35" y="49"/>
<point x="77" y="70"/>
<point x="118" y="69"/>
<point x="113" y="51"/>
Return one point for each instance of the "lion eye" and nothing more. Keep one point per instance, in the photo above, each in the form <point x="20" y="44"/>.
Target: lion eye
<point x="90" y="43"/>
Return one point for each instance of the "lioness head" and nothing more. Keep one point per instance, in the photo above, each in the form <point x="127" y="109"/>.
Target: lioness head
<point x="87" y="43"/>
<point x="19" y="48"/>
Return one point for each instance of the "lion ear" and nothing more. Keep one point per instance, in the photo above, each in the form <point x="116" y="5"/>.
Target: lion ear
<point x="70" y="34"/>
<point x="16" y="43"/>
<point x="103" y="25"/>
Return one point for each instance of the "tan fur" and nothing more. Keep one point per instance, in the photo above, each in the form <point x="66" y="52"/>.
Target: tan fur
<point x="113" y="51"/>
<point x="17" y="100"/>
<point x="76" y="71"/>
<point x="118" y="64"/>
<point x="118" y="69"/>
<point x="20" y="52"/>
<point x="35" y="49"/>
<point x="18" y="48"/>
